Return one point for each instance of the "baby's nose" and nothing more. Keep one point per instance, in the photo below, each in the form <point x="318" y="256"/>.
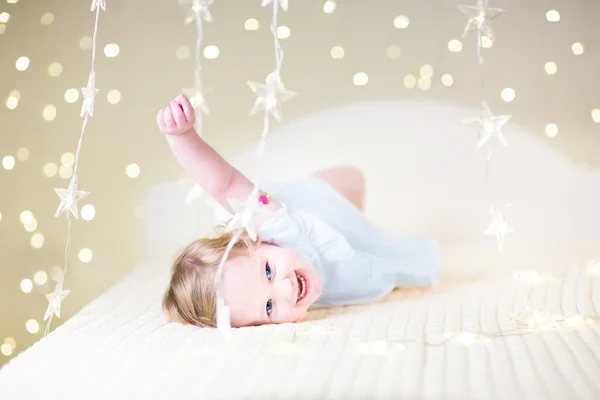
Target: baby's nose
<point x="286" y="291"/>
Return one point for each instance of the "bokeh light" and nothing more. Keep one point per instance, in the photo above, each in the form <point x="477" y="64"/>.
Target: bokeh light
<point x="56" y="273"/>
<point x="401" y="22"/>
<point x="49" y="112"/>
<point x="40" y="278"/>
<point x="447" y="80"/>
<point x="455" y="46"/>
<point x="409" y="81"/>
<point x="37" y="240"/>
<point x="283" y="32"/>
<point x="26" y="216"/>
<point x="251" y="24"/>
<point x="553" y="16"/>
<point x="111" y="50"/>
<point x="13" y="99"/>
<point x="596" y="115"/>
<point x="55" y="69"/>
<point x="329" y="6"/>
<point x="86" y="43"/>
<point x="71" y="95"/>
<point x="360" y="79"/>
<point x="337" y="52"/>
<point x="424" y="83"/>
<point x="31" y="225"/>
<point x="8" y="162"/>
<point x="26" y="285"/>
<point x="50" y="170"/>
<point x="132" y="171"/>
<point x="85" y="255"/>
<point x="551" y="130"/>
<point x="47" y="19"/>
<point x="182" y="52"/>
<point x="6" y="349"/>
<point x="577" y="48"/>
<point x="211" y="52"/>
<point x="22" y="63"/>
<point x="88" y="212"/>
<point x="65" y="171"/>
<point x="23" y="154"/>
<point x="426" y="71"/>
<point x="32" y="326"/>
<point x="486" y="42"/>
<point x="67" y="159"/>
<point x="550" y="68"/>
<point x="114" y="96"/>
<point x="508" y="94"/>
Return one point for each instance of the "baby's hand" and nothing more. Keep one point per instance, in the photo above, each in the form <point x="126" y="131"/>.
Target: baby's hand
<point x="177" y="118"/>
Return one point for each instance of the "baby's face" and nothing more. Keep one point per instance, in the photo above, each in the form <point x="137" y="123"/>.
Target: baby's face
<point x="270" y="285"/>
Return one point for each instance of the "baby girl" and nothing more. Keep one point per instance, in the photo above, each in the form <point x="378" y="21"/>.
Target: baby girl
<point x="314" y="246"/>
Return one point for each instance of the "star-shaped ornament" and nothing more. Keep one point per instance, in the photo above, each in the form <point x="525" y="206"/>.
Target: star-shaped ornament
<point x="270" y="96"/>
<point x="98" y="3"/>
<point x="69" y="198"/>
<point x="499" y="226"/>
<point x="197" y="8"/>
<point x="480" y="17"/>
<point x="488" y="126"/>
<point x="55" y="300"/>
<point x="284" y="3"/>
<point x="535" y="318"/>
<point x="246" y="213"/>
<point x="89" y="96"/>
<point x="197" y="99"/>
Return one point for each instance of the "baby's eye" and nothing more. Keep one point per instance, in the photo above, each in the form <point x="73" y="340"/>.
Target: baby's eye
<point x="269" y="307"/>
<point x="268" y="271"/>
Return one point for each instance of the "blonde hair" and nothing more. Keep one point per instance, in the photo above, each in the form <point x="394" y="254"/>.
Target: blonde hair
<point x="190" y="297"/>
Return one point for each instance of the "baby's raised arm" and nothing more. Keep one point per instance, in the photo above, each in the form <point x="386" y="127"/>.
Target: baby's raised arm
<point x="220" y="179"/>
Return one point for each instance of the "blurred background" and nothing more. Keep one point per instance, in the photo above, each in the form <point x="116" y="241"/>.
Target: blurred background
<point x="542" y="68"/>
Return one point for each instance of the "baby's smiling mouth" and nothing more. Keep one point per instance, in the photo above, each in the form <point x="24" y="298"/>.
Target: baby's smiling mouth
<point x="302" y="287"/>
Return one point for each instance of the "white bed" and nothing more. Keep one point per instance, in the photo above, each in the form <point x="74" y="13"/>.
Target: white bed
<point x="121" y="347"/>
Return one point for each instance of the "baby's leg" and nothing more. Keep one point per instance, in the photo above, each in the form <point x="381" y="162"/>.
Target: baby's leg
<point x="349" y="181"/>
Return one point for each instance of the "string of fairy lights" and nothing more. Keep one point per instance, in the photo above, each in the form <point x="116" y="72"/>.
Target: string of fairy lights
<point x="270" y="97"/>
<point x="487" y="125"/>
<point x="69" y="197"/>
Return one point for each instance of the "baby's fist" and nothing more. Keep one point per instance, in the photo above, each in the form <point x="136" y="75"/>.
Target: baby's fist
<point x="177" y="118"/>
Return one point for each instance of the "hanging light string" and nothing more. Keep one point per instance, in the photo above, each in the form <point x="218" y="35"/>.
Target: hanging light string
<point x="198" y="12"/>
<point x="269" y="98"/>
<point x="70" y="196"/>
<point x="487" y="125"/>
<point x="272" y="94"/>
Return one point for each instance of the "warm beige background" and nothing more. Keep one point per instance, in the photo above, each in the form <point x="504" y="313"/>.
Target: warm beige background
<point x="148" y="73"/>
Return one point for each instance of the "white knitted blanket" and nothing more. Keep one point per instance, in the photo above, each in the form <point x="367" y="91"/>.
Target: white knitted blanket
<point x="121" y="347"/>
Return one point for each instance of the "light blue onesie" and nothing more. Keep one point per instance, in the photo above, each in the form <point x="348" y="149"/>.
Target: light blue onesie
<point x="357" y="261"/>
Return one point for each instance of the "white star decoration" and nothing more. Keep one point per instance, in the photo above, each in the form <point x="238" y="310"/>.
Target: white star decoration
<point x="197" y="7"/>
<point x="55" y="299"/>
<point x="197" y="99"/>
<point x="535" y="318"/>
<point x="246" y="213"/>
<point x="98" y="3"/>
<point x="69" y="198"/>
<point x="480" y="17"/>
<point x="270" y="96"/>
<point x="488" y="126"/>
<point x="499" y="226"/>
<point x="89" y="96"/>
<point x="284" y="3"/>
